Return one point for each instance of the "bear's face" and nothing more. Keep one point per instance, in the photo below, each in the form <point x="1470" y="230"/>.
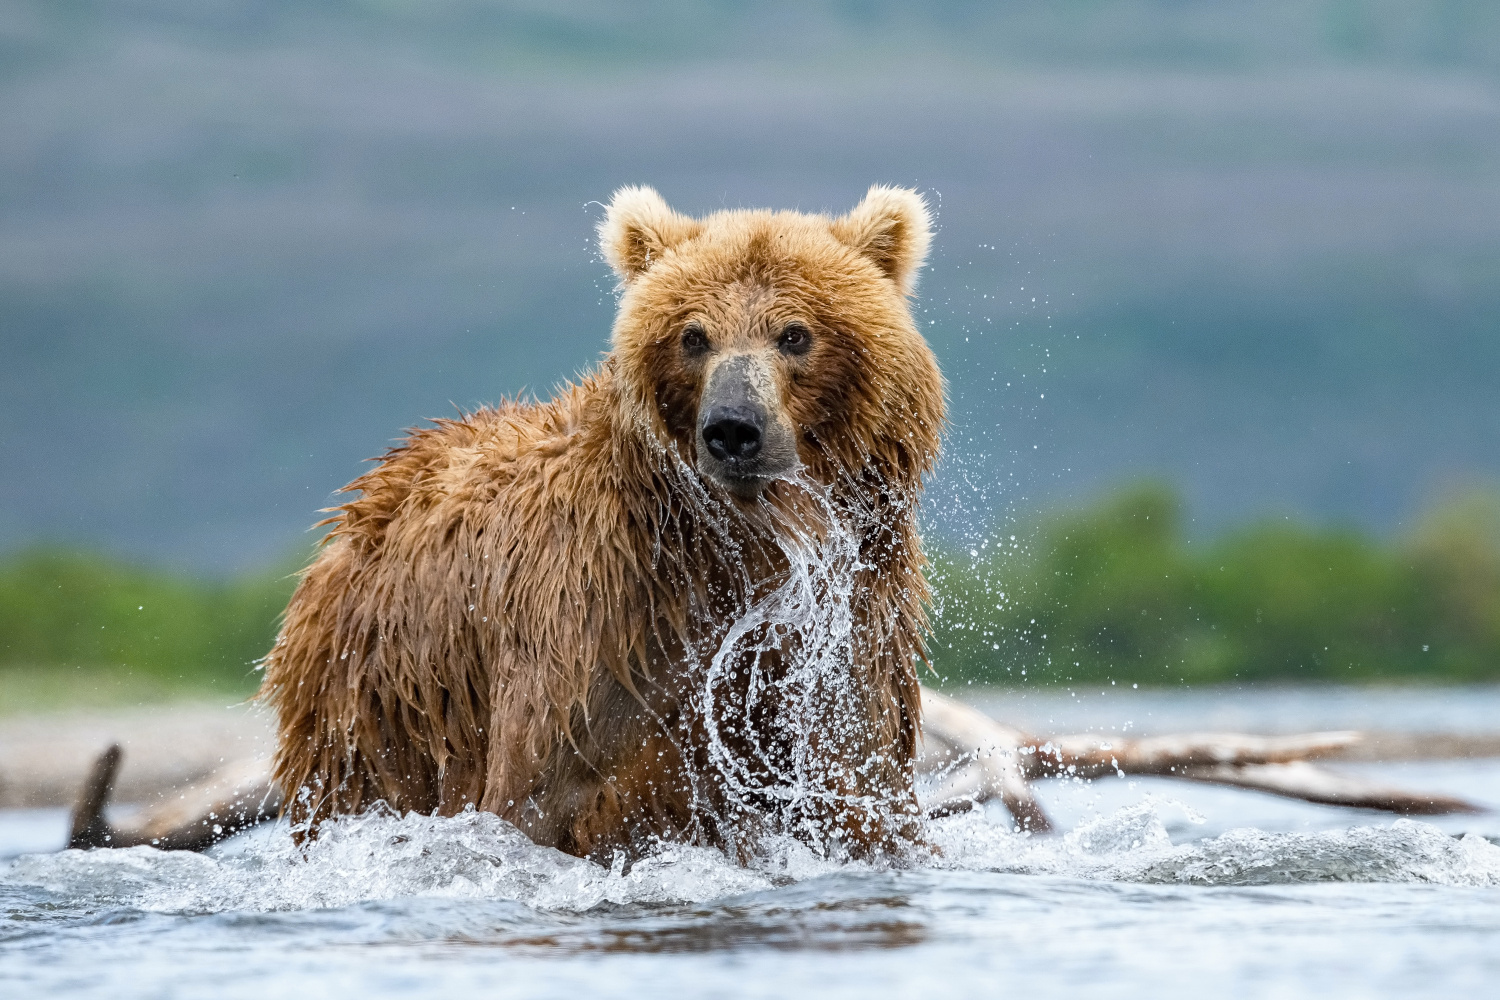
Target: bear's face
<point x="762" y="343"/>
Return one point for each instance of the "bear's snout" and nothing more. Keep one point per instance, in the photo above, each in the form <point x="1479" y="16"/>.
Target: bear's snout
<point x="744" y="439"/>
<point x="733" y="433"/>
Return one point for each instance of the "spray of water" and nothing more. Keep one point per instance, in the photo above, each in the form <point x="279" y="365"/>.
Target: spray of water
<point x="475" y="855"/>
<point x="778" y="694"/>
<point x="778" y="699"/>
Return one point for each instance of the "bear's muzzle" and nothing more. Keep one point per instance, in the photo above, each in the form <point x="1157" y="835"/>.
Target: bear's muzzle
<point x="744" y="439"/>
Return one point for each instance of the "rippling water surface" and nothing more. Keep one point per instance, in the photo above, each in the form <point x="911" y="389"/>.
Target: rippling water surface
<point x="1157" y="889"/>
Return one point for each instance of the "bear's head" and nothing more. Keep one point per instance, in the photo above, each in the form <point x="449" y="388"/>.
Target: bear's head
<point x="762" y="343"/>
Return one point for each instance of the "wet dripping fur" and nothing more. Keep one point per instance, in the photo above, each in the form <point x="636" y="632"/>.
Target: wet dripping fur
<point x="595" y="615"/>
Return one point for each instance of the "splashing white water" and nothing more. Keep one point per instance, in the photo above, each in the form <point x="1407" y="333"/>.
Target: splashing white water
<point x="380" y="856"/>
<point x="779" y="700"/>
<point x="1133" y="845"/>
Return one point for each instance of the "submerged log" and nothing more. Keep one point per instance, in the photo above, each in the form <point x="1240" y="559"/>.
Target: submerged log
<point x="977" y="759"/>
<point x="238" y="796"/>
<point x="1091" y="756"/>
<point x="1299" y="779"/>
<point x="966" y="759"/>
<point x="88" y="827"/>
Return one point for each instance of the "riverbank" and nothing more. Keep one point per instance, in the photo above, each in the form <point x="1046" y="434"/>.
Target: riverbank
<point x="45" y="755"/>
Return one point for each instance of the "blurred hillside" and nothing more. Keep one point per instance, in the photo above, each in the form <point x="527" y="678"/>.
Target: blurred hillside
<point x="1117" y="591"/>
<point x="1250" y="246"/>
<point x="1112" y="591"/>
<point x="76" y="627"/>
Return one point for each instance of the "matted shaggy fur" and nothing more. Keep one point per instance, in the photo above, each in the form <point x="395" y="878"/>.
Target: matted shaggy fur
<point x="682" y="600"/>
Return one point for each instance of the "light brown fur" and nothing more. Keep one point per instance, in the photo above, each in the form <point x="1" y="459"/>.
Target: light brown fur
<point x="517" y="610"/>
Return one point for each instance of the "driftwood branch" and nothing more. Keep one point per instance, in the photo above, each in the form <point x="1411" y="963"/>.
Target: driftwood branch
<point x="969" y="758"/>
<point x="1090" y="756"/>
<point x="1300" y="780"/>
<point x="88" y="827"/>
<point x="234" y="798"/>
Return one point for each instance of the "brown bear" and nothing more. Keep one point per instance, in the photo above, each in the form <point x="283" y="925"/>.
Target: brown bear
<point x="684" y="599"/>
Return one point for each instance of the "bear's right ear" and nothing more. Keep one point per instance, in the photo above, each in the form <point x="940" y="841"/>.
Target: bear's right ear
<point x="638" y="227"/>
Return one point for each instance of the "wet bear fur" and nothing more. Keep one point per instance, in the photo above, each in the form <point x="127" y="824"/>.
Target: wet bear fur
<point x="516" y="609"/>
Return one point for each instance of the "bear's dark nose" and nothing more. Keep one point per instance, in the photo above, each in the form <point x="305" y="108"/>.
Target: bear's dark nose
<point x="733" y="433"/>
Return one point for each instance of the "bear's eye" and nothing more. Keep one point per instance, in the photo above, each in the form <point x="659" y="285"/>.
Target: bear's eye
<point x="694" y="340"/>
<point x="795" y="339"/>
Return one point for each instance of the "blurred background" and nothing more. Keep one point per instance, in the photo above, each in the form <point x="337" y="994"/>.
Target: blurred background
<point x="1216" y="287"/>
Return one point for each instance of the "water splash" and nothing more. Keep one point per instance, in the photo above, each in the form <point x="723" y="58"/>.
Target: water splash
<point x="383" y="856"/>
<point x="475" y="855"/>
<point x="1133" y="845"/>
<point x="779" y="701"/>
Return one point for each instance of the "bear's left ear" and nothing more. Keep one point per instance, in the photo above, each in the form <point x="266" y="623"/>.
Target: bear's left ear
<point x="891" y="227"/>
<point x="638" y="227"/>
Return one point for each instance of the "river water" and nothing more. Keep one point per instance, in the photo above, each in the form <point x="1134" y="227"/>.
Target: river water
<point x="1155" y="889"/>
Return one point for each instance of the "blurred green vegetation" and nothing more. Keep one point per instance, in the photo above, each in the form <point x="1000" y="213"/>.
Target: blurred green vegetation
<point x="1113" y="591"/>
<point x="1118" y="591"/>
<point x="77" y="627"/>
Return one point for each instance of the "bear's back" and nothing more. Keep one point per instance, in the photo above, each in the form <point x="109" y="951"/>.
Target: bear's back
<point x="477" y="465"/>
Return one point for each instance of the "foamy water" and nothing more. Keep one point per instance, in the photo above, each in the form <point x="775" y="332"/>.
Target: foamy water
<point x="1134" y="901"/>
<point x="477" y="855"/>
